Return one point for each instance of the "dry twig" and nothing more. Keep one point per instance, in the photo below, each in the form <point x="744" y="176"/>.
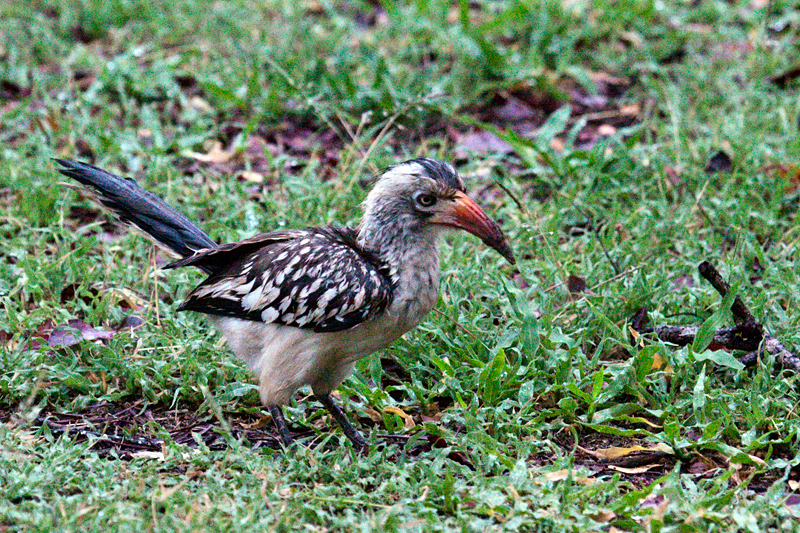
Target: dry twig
<point x="747" y="335"/>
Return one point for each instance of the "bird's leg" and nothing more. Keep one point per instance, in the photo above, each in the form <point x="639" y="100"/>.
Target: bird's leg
<point x="280" y="423"/>
<point x="351" y="432"/>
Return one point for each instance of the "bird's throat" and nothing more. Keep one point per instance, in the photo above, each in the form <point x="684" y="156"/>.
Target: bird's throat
<point x="413" y="261"/>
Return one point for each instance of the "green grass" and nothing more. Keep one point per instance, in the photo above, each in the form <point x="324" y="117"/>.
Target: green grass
<point x="520" y="380"/>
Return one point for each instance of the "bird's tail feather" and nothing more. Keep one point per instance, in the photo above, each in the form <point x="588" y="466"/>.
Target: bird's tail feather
<point x="140" y="208"/>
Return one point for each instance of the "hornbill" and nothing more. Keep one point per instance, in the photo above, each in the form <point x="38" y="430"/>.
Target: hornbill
<point x="301" y="306"/>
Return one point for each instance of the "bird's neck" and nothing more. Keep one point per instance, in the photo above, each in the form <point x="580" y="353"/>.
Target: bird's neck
<point x="412" y="254"/>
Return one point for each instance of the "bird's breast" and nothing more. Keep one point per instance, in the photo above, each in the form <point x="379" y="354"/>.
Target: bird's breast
<point x="416" y="290"/>
<point x="417" y="298"/>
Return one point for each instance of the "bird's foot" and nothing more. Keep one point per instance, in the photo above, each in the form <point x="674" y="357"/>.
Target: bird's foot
<point x="352" y="433"/>
<point x="280" y="423"/>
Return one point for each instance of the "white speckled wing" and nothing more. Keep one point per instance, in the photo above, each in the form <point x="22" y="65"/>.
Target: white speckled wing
<point x="317" y="279"/>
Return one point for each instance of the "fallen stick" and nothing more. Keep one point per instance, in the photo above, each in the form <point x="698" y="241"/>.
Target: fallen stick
<point x="741" y="314"/>
<point x="748" y="334"/>
<point x="736" y="338"/>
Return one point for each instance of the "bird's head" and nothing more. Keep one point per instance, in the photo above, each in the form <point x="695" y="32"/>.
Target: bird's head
<point x="424" y="196"/>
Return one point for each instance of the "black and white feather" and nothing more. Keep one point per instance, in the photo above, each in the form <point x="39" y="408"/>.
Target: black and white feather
<point x="315" y="278"/>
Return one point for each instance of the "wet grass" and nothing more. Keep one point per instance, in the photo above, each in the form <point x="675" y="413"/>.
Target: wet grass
<point x="524" y="401"/>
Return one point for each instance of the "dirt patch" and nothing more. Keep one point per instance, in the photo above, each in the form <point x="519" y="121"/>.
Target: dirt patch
<point x="124" y="430"/>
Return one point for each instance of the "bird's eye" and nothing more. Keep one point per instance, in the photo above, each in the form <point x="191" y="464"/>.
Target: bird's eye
<point x="425" y="199"/>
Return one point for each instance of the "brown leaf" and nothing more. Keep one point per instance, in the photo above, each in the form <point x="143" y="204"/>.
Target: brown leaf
<point x="659" y="363"/>
<point x="215" y="155"/>
<point x="560" y="475"/>
<point x="784" y="170"/>
<point x="313" y="7"/>
<point x="199" y="104"/>
<point x="252" y="177"/>
<point x="606" y="130"/>
<point x="437" y="417"/>
<point x="259" y="423"/>
<point x="636" y="470"/>
<point x="605" y="515"/>
<point x="793" y="500"/>
<point x="659" y="505"/>
<point x="640" y="320"/>
<point x="47" y="123"/>
<point x="127" y="299"/>
<point x="701" y="467"/>
<point x="5" y="340"/>
<point x="615" y="452"/>
<point x="408" y="422"/>
<point x="557" y="475"/>
<point x="373" y="415"/>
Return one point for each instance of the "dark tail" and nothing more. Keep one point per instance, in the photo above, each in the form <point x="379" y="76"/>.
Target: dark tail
<point x="143" y="209"/>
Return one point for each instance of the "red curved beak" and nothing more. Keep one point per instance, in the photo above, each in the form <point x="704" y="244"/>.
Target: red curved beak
<point x="467" y="215"/>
